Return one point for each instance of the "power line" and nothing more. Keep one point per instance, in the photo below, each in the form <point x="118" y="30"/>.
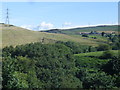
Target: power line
<point x="7" y="17"/>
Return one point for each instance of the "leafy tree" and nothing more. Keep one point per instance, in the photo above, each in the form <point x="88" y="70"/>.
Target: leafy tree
<point x="117" y="81"/>
<point x="103" y="47"/>
<point x="113" y="66"/>
<point x="19" y="72"/>
<point x="98" y="80"/>
<point x="41" y="65"/>
<point x="95" y="79"/>
<point x="103" y="33"/>
<point x="77" y="47"/>
<point x="71" y="82"/>
<point x="17" y="80"/>
<point x="38" y="65"/>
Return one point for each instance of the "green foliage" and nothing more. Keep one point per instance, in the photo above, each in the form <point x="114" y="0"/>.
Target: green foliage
<point x="116" y="46"/>
<point x="98" y="80"/>
<point x="54" y="66"/>
<point x="75" y="31"/>
<point x="103" y="33"/>
<point x="71" y="82"/>
<point x="113" y="66"/>
<point x="117" y="81"/>
<point x="41" y="65"/>
<point x="17" y="80"/>
<point x="115" y="42"/>
<point x="92" y="70"/>
<point x="89" y="62"/>
<point x="107" y="55"/>
<point x="85" y="35"/>
<point x="103" y="47"/>
<point x="78" y="48"/>
<point x="14" y="69"/>
<point x="95" y="79"/>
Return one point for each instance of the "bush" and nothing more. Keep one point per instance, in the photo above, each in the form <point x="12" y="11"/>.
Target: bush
<point x="103" y="47"/>
<point x="107" y="55"/>
<point x="112" y="67"/>
<point x="85" y="35"/>
<point x="39" y="66"/>
<point x="95" y="79"/>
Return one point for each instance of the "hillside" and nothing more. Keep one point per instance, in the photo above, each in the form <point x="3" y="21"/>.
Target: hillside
<point x="95" y="54"/>
<point x="76" y="31"/>
<point x="14" y="35"/>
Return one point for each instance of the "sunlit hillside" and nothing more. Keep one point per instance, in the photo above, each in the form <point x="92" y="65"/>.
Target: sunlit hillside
<point x="14" y="35"/>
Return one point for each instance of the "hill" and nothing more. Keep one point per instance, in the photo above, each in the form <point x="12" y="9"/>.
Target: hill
<point x="76" y="31"/>
<point x="14" y="35"/>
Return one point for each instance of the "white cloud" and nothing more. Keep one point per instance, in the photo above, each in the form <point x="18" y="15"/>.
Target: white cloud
<point x="82" y="26"/>
<point x="45" y="26"/>
<point x="66" y="24"/>
<point x="41" y="26"/>
<point x="27" y="26"/>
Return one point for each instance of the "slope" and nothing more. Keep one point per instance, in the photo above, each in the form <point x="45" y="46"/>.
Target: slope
<point x="14" y="35"/>
<point x="75" y="31"/>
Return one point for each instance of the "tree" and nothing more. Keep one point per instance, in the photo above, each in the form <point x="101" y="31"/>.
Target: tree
<point x="41" y="65"/>
<point x="85" y="35"/>
<point x="17" y="80"/>
<point x="98" y="80"/>
<point x="113" y="66"/>
<point x="107" y="55"/>
<point x="103" y="33"/>
<point x="95" y="79"/>
<point x="103" y="47"/>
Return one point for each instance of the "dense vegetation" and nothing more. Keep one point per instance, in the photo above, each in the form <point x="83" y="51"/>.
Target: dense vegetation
<point x="90" y="61"/>
<point x="59" y="65"/>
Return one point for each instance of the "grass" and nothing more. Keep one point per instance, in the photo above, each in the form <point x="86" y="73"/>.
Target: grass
<point x="88" y="29"/>
<point x="16" y="36"/>
<point x="96" y="54"/>
<point x="91" y="59"/>
<point x="90" y="62"/>
<point x="74" y="31"/>
<point x="99" y="38"/>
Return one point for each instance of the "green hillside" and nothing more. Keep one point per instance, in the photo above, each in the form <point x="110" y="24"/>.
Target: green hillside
<point x="75" y="31"/>
<point x="13" y="35"/>
<point x="97" y="54"/>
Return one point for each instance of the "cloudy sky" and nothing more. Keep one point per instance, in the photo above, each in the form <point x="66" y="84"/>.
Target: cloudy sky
<point x="49" y="15"/>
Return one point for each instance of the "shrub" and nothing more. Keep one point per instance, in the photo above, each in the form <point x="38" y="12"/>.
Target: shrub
<point x="84" y="35"/>
<point x="103" y="47"/>
<point x="107" y="55"/>
<point x="112" y="67"/>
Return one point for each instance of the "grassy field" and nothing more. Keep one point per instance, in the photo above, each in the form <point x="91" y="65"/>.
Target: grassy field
<point x="91" y="59"/>
<point x="99" y="38"/>
<point x="74" y="31"/>
<point x="16" y="36"/>
<point x="97" y="54"/>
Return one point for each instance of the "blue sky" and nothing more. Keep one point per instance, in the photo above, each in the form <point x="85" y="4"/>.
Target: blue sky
<point x="47" y="15"/>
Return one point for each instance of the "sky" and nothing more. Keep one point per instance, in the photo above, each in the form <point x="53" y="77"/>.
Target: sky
<point x="52" y="15"/>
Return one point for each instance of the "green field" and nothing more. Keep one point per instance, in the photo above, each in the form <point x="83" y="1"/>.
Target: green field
<point x="97" y="54"/>
<point x="92" y="59"/>
<point x="74" y="31"/>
